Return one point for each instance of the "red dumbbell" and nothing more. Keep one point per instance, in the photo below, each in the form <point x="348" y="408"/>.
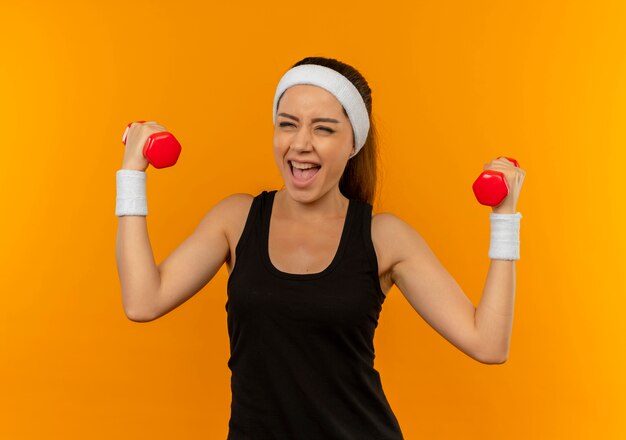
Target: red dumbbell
<point x="490" y="188"/>
<point x="161" y="149"/>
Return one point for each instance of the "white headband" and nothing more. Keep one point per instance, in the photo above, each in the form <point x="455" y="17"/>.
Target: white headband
<point x="337" y="84"/>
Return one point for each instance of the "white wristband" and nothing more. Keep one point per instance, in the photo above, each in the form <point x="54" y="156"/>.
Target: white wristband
<point x="131" y="193"/>
<point x="504" y="244"/>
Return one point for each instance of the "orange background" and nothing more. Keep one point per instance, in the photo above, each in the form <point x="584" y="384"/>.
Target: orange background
<point x="455" y="84"/>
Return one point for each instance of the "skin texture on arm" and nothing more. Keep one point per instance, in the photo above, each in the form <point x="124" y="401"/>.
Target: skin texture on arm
<point x="436" y="296"/>
<point x="427" y="285"/>
<point x="482" y="332"/>
<point x="494" y="315"/>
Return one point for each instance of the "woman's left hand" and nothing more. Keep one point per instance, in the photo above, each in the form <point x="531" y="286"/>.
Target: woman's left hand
<point x="514" y="178"/>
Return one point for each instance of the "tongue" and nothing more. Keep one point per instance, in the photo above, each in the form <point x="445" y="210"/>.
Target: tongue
<point x="305" y="174"/>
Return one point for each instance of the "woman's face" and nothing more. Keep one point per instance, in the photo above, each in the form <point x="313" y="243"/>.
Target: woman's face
<point x="313" y="131"/>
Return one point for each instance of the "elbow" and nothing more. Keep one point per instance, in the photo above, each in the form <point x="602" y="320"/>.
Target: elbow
<point x="138" y="315"/>
<point x="138" y="318"/>
<point x="137" y="309"/>
<point x="491" y="358"/>
<point x="497" y="361"/>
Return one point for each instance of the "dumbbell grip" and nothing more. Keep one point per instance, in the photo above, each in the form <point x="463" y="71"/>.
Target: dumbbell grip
<point x="491" y="187"/>
<point x="161" y="149"/>
<point x="126" y="131"/>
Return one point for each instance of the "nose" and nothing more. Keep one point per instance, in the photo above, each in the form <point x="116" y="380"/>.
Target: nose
<point x="301" y="141"/>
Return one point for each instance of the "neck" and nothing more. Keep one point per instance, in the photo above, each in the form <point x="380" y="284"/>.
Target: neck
<point x="332" y="204"/>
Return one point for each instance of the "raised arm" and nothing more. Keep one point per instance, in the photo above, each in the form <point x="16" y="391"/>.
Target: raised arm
<point x="482" y="333"/>
<point x="150" y="291"/>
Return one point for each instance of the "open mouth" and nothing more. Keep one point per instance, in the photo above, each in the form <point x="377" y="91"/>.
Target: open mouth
<point x="304" y="175"/>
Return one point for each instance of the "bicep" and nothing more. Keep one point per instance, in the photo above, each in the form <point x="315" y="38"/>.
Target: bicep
<point x="431" y="290"/>
<point x="195" y="261"/>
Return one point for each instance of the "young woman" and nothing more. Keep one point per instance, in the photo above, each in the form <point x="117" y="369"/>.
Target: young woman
<point x="310" y="266"/>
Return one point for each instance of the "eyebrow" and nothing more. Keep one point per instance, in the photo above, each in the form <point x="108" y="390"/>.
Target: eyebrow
<point x="313" y="120"/>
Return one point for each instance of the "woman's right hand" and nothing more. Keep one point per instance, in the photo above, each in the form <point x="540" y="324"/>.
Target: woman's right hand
<point x="136" y="138"/>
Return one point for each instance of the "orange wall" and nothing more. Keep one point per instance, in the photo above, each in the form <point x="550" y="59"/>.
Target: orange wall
<point x="455" y="85"/>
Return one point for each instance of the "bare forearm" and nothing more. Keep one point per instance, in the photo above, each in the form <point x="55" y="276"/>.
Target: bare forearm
<point x="494" y="314"/>
<point x="137" y="269"/>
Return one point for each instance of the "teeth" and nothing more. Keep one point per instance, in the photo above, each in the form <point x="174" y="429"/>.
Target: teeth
<point x="303" y="165"/>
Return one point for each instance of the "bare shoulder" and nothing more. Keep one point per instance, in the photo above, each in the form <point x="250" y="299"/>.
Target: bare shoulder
<point x="394" y="239"/>
<point x="236" y="202"/>
<point x="225" y="213"/>
<point x="233" y="212"/>
<point x="390" y="227"/>
<point x="232" y="209"/>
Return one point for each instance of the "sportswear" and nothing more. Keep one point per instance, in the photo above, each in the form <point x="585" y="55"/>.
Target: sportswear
<point x="302" y="353"/>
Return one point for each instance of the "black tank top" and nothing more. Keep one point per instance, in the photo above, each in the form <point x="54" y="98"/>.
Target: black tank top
<point x="301" y="345"/>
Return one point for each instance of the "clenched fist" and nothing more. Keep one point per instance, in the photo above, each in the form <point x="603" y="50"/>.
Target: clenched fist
<point x="136" y="138"/>
<point x="514" y="178"/>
